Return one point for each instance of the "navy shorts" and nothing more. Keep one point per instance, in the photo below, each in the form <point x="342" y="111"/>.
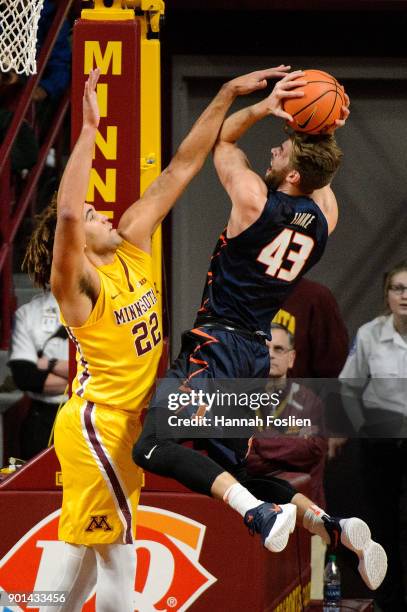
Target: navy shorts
<point x="210" y="353"/>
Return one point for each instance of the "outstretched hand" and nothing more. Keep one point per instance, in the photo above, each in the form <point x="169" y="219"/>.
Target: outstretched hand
<point x="287" y="87"/>
<point x="253" y="81"/>
<point x="91" y="114"/>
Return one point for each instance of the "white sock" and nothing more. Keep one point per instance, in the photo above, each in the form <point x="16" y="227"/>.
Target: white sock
<point x="313" y="522"/>
<point x="78" y="578"/>
<point x="116" y="570"/>
<point x="240" y="499"/>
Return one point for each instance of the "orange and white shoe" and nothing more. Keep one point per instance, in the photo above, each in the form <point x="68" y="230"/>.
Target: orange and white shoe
<point x="353" y="533"/>
<point x="273" y="522"/>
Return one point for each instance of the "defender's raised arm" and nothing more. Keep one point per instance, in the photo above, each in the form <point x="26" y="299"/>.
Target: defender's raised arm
<point x="141" y="219"/>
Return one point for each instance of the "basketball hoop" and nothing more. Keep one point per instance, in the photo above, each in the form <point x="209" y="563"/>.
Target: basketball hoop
<point x="18" y="35"/>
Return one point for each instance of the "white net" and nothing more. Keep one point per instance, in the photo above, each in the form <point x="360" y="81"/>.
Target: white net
<point x="18" y="35"/>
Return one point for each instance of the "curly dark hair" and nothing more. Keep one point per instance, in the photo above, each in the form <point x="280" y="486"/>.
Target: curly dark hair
<point x="38" y="257"/>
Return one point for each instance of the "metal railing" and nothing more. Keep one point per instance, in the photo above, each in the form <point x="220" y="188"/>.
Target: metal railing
<point x="10" y="220"/>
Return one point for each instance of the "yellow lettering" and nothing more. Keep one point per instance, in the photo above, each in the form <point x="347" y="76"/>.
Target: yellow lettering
<point x="285" y="318"/>
<point x="108" y="146"/>
<point x="306" y="594"/>
<point x="101" y="92"/>
<point x="107" y="188"/>
<point x="112" y="55"/>
<point x="292" y="602"/>
<point x="298" y="602"/>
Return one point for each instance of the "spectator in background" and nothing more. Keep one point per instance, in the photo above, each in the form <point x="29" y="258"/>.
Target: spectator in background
<point x="380" y="352"/>
<point x="39" y="365"/>
<point x="24" y="152"/>
<point x="312" y="315"/>
<point x="57" y="73"/>
<point x="297" y="450"/>
<point x="53" y="83"/>
<point x="376" y="369"/>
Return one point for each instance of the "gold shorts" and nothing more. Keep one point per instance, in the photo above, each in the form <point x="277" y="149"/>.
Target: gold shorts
<point x="101" y="483"/>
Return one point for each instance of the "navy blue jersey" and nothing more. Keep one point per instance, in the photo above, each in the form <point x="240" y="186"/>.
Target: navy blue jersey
<point x="251" y="275"/>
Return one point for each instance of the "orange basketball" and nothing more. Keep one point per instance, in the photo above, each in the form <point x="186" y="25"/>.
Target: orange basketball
<point x="317" y="110"/>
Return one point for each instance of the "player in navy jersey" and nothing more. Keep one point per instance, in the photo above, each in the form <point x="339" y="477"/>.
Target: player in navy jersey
<point x="252" y="273"/>
<point x="276" y="232"/>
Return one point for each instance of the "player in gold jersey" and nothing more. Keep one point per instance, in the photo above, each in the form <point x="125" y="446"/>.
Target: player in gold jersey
<point x="102" y="279"/>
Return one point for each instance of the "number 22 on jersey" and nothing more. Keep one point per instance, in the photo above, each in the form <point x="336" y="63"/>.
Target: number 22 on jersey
<point x="142" y="331"/>
<point x="279" y="251"/>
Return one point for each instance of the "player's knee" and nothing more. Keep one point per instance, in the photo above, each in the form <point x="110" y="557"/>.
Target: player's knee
<point x="159" y="458"/>
<point x="140" y="450"/>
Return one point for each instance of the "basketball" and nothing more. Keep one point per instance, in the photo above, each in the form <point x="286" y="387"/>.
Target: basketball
<point x="321" y="105"/>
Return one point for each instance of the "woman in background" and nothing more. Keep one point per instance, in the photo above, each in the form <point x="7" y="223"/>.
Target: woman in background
<point x="376" y="370"/>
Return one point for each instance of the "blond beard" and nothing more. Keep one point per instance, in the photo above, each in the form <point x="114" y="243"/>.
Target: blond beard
<point x="274" y="178"/>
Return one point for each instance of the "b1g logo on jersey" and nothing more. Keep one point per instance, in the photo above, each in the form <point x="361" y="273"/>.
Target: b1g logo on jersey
<point x="168" y="576"/>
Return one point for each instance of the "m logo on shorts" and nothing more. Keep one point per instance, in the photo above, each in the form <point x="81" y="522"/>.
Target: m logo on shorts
<point x="99" y="522"/>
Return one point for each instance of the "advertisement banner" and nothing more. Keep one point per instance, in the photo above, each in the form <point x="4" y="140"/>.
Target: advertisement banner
<point x="169" y="575"/>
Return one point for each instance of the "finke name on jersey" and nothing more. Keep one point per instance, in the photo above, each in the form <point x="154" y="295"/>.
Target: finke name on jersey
<point x="136" y="309"/>
<point x="302" y="219"/>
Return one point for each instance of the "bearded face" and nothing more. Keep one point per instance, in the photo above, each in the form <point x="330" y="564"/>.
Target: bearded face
<point x="279" y="165"/>
<point x="275" y="177"/>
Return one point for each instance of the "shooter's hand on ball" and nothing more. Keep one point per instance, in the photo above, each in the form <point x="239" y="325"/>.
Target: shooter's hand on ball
<point x="345" y="112"/>
<point x="91" y="114"/>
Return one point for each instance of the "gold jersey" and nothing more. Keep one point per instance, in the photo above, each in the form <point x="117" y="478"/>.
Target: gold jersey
<point x="119" y="346"/>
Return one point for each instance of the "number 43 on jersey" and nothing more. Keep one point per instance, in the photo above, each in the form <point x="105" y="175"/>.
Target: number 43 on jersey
<point x="279" y="251"/>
